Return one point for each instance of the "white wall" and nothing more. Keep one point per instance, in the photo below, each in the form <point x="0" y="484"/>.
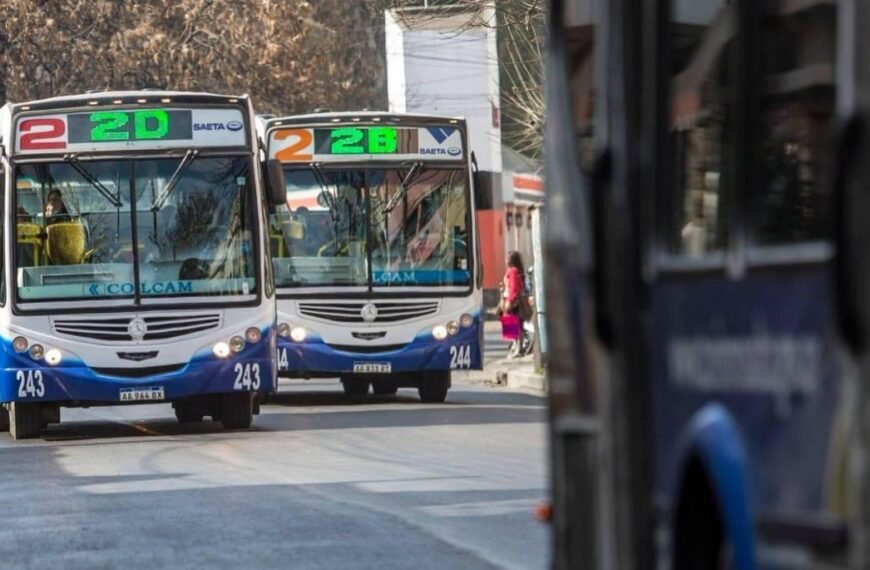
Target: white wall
<point x="437" y="66"/>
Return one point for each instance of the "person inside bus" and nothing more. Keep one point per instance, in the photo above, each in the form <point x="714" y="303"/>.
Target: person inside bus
<point x="55" y="208"/>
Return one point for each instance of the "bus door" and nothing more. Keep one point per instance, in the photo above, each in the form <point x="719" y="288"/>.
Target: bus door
<point x="596" y="428"/>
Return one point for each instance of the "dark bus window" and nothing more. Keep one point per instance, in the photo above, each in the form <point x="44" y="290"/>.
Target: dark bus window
<point x="700" y="101"/>
<point x="792" y="200"/>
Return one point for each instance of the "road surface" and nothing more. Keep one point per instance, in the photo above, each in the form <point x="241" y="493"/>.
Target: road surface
<point x="319" y="483"/>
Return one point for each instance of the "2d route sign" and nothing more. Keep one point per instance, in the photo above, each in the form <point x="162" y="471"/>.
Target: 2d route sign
<point x="344" y="143"/>
<point x="120" y="129"/>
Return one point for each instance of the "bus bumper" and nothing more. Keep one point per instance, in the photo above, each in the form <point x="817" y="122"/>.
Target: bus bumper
<point x="72" y="382"/>
<point x="313" y="357"/>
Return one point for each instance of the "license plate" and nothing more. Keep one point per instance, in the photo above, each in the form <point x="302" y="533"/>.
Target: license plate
<point x="372" y="367"/>
<point x="142" y="394"/>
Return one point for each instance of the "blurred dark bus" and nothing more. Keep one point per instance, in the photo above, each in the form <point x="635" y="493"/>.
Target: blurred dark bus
<point x="707" y="216"/>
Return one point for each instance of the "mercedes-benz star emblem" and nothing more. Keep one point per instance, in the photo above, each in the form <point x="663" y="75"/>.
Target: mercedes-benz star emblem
<point x="369" y="313"/>
<point x="137" y="328"/>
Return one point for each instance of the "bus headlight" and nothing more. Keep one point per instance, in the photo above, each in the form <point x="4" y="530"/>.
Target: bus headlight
<point x="253" y="335"/>
<point x="237" y="344"/>
<point x="20" y="344"/>
<point x="452" y="328"/>
<point x="53" y="356"/>
<point x="37" y="352"/>
<point x="466" y="320"/>
<point x="298" y="334"/>
<point x="221" y="349"/>
<point x="439" y="332"/>
<point x="284" y="329"/>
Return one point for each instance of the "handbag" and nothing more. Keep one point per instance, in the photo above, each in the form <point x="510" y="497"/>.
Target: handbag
<point x="510" y="327"/>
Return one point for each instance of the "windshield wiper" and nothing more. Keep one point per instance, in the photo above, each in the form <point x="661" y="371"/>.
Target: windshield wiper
<point x="73" y="160"/>
<point x="403" y="188"/>
<point x="173" y="180"/>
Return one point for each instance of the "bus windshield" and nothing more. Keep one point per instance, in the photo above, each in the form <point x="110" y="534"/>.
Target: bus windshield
<point x="387" y="227"/>
<point x="84" y="228"/>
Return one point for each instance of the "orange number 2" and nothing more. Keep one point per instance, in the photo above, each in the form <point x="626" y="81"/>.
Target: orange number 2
<point x="294" y="151"/>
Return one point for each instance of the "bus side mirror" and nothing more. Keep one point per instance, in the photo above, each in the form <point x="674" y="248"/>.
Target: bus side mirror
<point x="277" y="188"/>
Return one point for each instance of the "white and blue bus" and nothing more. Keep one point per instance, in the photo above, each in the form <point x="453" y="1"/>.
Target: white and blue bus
<point x="375" y="250"/>
<point x="133" y="248"/>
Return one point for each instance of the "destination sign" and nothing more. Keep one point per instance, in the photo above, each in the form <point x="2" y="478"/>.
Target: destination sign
<point x="345" y="143"/>
<point x="118" y="129"/>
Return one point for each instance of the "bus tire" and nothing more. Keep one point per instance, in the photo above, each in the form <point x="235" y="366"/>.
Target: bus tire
<point x="4" y="419"/>
<point x="25" y="420"/>
<point x="188" y="413"/>
<point x="434" y="386"/>
<point x="50" y="415"/>
<point x="384" y="387"/>
<point x="355" y="387"/>
<point x="237" y="410"/>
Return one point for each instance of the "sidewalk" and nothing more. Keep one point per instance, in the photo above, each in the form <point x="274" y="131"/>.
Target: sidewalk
<point x="512" y="373"/>
<point x="520" y="373"/>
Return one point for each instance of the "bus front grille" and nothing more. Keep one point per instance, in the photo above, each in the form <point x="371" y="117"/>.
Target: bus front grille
<point x="352" y="312"/>
<point x="140" y="372"/>
<point x="118" y="328"/>
<point x="363" y="349"/>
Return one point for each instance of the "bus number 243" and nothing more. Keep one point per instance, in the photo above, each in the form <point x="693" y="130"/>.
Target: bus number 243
<point x="247" y="376"/>
<point x="30" y="384"/>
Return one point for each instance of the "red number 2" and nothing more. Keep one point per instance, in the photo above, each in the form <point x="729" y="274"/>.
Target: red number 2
<point x="46" y="135"/>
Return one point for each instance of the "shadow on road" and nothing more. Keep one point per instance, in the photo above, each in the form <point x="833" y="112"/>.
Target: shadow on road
<point x="405" y="397"/>
<point x="294" y="410"/>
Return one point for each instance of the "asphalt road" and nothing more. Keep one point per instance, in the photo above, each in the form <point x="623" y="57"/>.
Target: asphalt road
<point x="318" y="483"/>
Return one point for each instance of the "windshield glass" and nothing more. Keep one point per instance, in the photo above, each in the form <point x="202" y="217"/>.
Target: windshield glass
<point x="416" y="234"/>
<point x="319" y="236"/>
<point x="75" y="229"/>
<point x="420" y="234"/>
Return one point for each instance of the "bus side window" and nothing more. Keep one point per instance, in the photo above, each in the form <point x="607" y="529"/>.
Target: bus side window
<point x="700" y="103"/>
<point x="792" y="201"/>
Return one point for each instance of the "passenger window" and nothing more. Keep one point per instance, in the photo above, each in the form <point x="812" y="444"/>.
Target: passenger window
<point x="700" y="103"/>
<point x="792" y="202"/>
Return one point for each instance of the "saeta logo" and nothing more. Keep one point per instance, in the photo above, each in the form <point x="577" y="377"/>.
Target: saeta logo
<point x="235" y="125"/>
<point x="454" y="151"/>
<point x="441" y="134"/>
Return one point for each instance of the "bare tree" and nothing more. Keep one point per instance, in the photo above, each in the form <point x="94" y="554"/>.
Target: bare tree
<point x="290" y="55"/>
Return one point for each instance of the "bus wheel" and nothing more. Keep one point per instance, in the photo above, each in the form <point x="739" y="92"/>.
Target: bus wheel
<point x="237" y="410"/>
<point x="384" y="387"/>
<point x="434" y="386"/>
<point x="25" y="420"/>
<point x="4" y="419"/>
<point x="50" y="415"/>
<point x="355" y="387"/>
<point x="187" y="413"/>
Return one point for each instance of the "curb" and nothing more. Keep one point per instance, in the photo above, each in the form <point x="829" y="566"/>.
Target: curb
<point x="526" y="379"/>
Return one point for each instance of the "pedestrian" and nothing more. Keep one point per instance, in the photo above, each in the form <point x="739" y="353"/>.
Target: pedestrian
<point x="514" y="307"/>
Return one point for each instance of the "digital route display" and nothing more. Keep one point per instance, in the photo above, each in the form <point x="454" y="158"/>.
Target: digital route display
<point x="357" y="140"/>
<point x="140" y="125"/>
<point x="125" y="128"/>
<point x="352" y="142"/>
